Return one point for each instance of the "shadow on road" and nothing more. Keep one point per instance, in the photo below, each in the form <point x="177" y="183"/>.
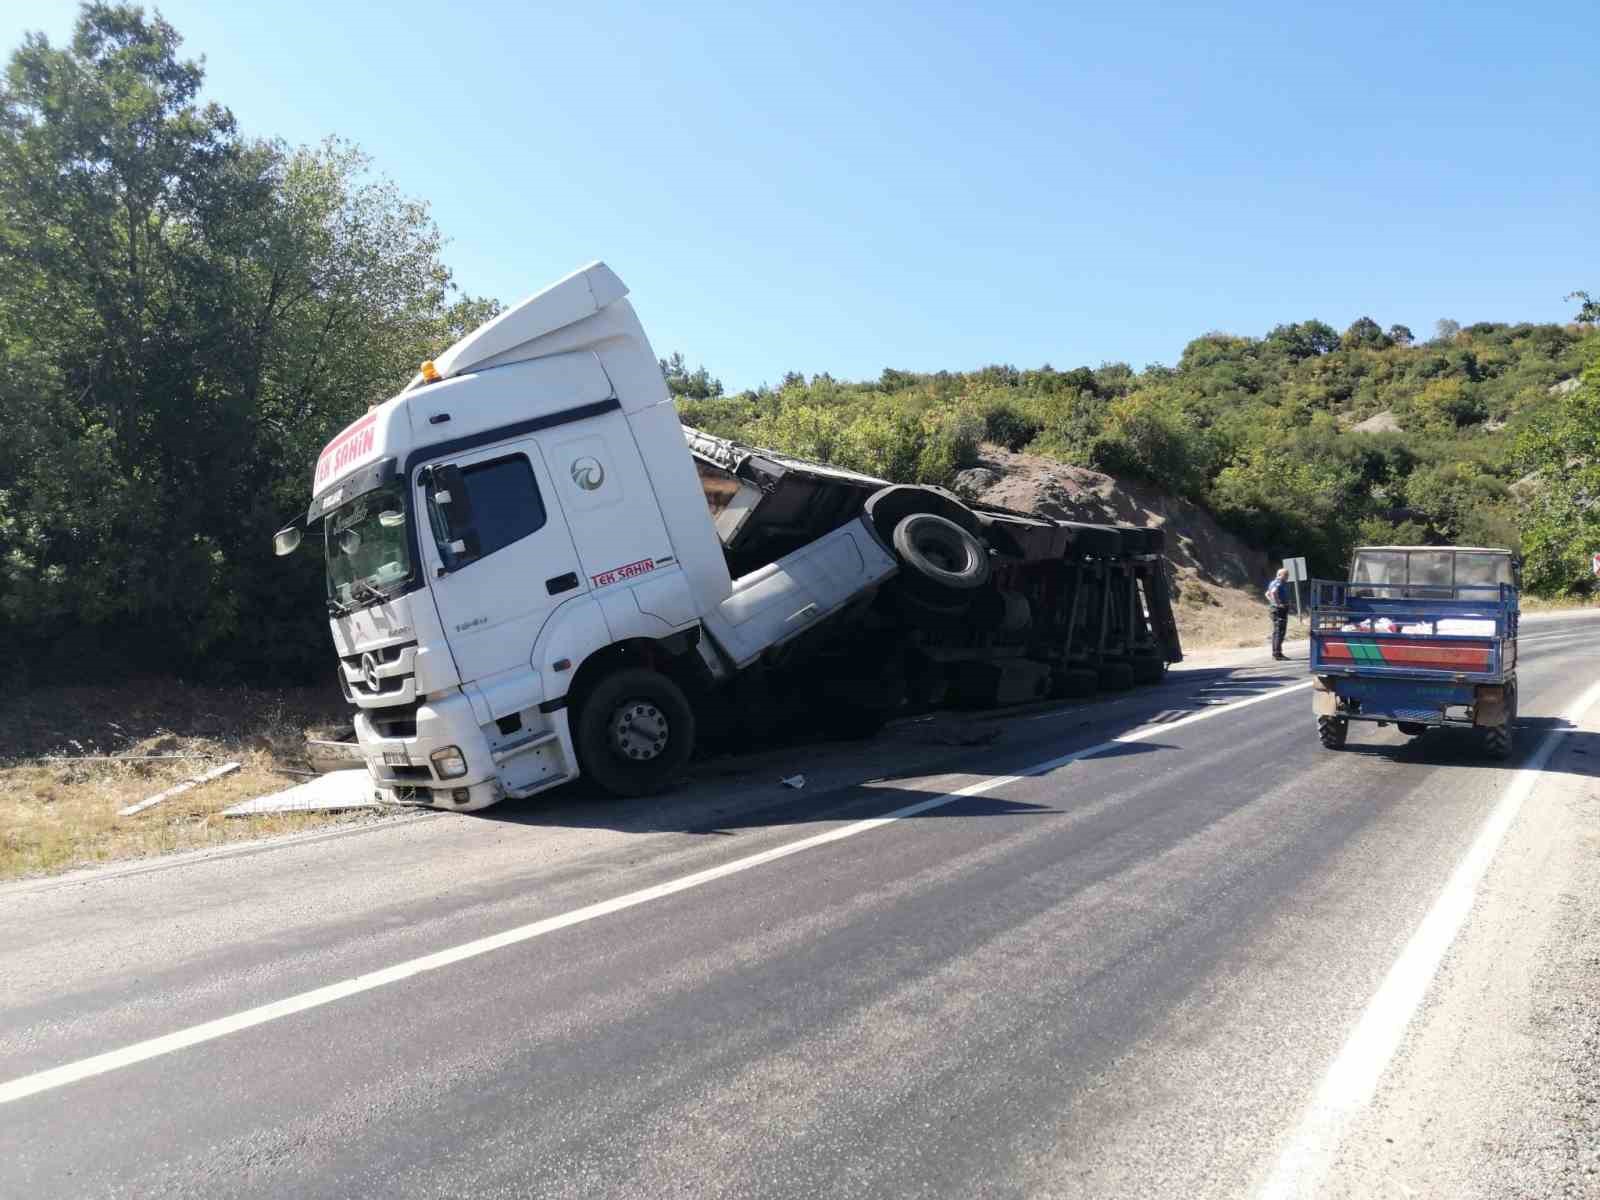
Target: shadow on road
<point x="1465" y="748"/>
<point x="852" y="780"/>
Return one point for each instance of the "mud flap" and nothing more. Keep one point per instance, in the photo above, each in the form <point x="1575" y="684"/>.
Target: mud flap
<point x="1324" y="700"/>
<point x="1489" y="705"/>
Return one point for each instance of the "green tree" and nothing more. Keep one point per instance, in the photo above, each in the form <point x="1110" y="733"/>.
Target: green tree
<point x="685" y="384"/>
<point x="185" y="317"/>
<point x="1365" y="334"/>
<point x="1304" y="339"/>
<point x="1588" y="310"/>
<point x="1445" y="405"/>
<point x="1560" y="516"/>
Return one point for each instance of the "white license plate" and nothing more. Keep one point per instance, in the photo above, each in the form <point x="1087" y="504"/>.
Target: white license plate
<point x="395" y="758"/>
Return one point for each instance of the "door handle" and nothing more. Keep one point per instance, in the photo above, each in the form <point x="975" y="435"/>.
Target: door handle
<point x="561" y="583"/>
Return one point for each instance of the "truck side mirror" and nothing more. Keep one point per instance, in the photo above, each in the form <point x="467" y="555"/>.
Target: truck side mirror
<point x="287" y="541"/>
<point x="450" y="495"/>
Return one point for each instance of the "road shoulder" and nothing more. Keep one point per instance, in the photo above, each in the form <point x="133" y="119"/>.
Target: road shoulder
<point x="1496" y="1090"/>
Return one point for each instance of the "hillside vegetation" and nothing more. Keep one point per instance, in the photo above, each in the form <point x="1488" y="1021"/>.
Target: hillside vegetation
<point x="188" y="313"/>
<point x="1266" y="432"/>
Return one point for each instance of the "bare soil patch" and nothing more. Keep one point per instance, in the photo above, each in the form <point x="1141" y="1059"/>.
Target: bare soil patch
<point x="1217" y="578"/>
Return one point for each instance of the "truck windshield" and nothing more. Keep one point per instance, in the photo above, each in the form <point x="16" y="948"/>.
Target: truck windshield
<point x="368" y="555"/>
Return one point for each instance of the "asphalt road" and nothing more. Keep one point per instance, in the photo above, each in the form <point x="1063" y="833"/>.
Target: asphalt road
<point x="1125" y="976"/>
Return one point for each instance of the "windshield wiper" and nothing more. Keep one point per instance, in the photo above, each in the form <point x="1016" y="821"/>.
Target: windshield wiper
<point x="372" y="594"/>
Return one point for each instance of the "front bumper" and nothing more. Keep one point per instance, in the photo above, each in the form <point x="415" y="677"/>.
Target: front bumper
<point x="397" y="755"/>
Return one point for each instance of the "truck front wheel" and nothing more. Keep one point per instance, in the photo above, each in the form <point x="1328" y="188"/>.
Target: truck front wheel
<point x="634" y="732"/>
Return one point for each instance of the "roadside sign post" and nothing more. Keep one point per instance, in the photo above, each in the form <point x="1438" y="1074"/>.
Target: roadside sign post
<point x="1297" y="572"/>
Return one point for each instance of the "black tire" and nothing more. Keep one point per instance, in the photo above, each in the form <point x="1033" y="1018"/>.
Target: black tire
<point x="941" y="552"/>
<point x="1333" y="731"/>
<point x="1500" y="741"/>
<point x="634" y="732"/>
<point x="1411" y="728"/>
<point x="1497" y="742"/>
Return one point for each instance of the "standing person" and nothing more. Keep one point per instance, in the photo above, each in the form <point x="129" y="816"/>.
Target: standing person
<point x="1278" y="601"/>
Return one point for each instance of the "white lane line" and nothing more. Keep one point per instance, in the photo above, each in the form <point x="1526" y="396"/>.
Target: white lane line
<point x="1352" y="1080"/>
<point x="1565" y="635"/>
<point x="99" y="1064"/>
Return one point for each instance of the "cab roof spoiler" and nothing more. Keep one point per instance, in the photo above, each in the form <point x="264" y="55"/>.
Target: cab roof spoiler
<point x="582" y="294"/>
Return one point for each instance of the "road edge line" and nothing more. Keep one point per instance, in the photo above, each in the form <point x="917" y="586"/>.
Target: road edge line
<point x="1352" y="1079"/>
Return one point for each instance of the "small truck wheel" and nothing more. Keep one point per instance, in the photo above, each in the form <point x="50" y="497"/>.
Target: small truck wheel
<point x="1497" y="740"/>
<point x="1500" y="740"/>
<point x="1333" y="731"/>
<point x="634" y="732"/>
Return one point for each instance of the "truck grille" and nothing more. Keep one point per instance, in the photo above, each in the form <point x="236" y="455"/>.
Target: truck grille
<point x="380" y="678"/>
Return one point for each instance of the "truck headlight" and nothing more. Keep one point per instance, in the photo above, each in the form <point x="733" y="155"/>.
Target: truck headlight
<point x="449" y="762"/>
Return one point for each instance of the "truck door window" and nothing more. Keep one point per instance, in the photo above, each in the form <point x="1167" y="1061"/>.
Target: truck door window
<point x="506" y="507"/>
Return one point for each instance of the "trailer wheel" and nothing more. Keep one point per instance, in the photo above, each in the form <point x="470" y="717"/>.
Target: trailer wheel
<point x="634" y="732"/>
<point x="941" y="551"/>
<point x="1333" y="731"/>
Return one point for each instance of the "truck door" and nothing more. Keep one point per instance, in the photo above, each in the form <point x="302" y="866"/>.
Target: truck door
<point x="499" y="552"/>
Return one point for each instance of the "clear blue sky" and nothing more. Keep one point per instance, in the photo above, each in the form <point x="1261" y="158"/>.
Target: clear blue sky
<point x="844" y="188"/>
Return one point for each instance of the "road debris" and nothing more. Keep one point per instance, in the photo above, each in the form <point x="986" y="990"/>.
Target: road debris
<point x="335" y="790"/>
<point x="215" y="773"/>
<point x="333" y="754"/>
<point x="85" y="758"/>
<point x="794" y="781"/>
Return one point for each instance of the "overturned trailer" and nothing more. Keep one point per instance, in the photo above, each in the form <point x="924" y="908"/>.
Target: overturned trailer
<point x="536" y="574"/>
<point x="1047" y="608"/>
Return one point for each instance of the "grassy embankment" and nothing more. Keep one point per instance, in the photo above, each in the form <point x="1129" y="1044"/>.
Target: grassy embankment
<point x="59" y="796"/>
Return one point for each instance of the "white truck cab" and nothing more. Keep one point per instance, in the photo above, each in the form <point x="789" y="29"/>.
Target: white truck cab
<point x="523" y="515"/>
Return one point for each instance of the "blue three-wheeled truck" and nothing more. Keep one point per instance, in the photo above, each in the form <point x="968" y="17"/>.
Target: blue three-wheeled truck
<point x="1420" y="637"/>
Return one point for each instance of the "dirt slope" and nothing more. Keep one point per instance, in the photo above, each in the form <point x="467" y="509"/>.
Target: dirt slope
<point x="1217" y="578"/>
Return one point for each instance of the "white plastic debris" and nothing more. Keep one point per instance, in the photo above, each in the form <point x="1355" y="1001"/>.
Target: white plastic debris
<point x="186" y="785"/>
<point x="335" y="790"/>
<point x="794" y="781"/>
